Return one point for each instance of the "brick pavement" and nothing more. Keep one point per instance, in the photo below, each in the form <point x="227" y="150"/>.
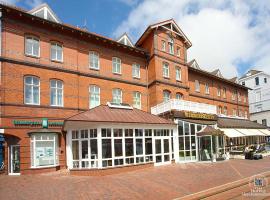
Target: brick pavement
<point x="164" y="182"/>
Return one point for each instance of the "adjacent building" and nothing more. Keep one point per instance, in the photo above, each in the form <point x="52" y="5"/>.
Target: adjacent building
<point x="74" y="99"/>
<point x="259" y="96"/>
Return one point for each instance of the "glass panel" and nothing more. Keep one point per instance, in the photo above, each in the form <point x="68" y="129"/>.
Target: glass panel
<point x="187" y="142"/>
<point x="106" y="148"/>
<point x="118" y="147"/>
<point x="75" y="150"/>
<point x="93" y="148"/>
<point x="193" y="142"/>
<point x="192" y="129"/>
<point x="15" y="159"/>
<point x="182" y="155"/>
<point x="166" y="145"/>
<point x="186" y="127"/>
<point x="181" y="143"/>
<point x="148" y="146"/>
<point x="158" y="146"/>
<point x="129" y="147"/>
<point x="188" y="156"/>
<point x="84" y="149"/>
<point x="166" y="158"/>
<point x="139" y="146"/>
<point x="158" y="159"/>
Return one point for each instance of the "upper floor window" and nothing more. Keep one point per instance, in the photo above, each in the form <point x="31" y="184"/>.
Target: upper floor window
<point x="245" y="98"/>
<point x="116" y="68"/>
<point x="219" y="109"/>
<point x="207" y="91"/>
<point x="137" y="100"/>
<point x="94" y="91"/>
<point x="264" y="122"/>
<point x="225" y="110"/>
<point x="224" y="92"/>
<point x="163" y="45"/>
<point x="31" y="90"/>
<point x="178" y="52"/>
<point x="166" y="71"/>
<point x="56" y="93"/>
<point x="94" y="60"/>
<point x="246" y="114"/>
<point x="32" y="46"/>
<point x="166" y="95"/>
<point x="265" y="80"/>
<point x="170" y="44"/>
<point x="218" y="91"/>
<point x="136" y="70"/>
<point x="56" y="52"/>
<point x="179" y="96"/>
<point x="243" y="83"/>
<point x="239" y="96"/>
<point x="257" y="81"/>
<point x="234" y="93"/>
<point x="117" y="96"/>
<point x="178" y="74"/>
<point x="234" y="112"/>
<point x="197" y="86"/>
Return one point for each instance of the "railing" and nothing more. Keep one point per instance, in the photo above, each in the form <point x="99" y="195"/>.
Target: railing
<point x="182" y="105"/>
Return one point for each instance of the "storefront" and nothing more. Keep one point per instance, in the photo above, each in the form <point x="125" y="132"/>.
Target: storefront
<point x="114" y="136"/>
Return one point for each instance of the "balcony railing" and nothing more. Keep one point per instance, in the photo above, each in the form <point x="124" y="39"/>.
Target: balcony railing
<point x="182" y="105"/>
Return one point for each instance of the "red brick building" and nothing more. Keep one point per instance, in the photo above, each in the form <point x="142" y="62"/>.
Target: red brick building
<point x="51" y="71"/>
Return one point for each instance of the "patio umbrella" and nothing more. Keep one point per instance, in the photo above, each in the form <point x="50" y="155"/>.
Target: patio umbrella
<point x="209" y="130"/>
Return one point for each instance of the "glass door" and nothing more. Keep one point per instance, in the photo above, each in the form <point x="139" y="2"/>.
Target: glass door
<point x="162" y="151"/>
<point x="205" y="148"/>
<point x="14" y="160"/>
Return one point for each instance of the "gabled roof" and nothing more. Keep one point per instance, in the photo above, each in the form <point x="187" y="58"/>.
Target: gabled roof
<point x="250" y="73"/>
<point x="125" y="39"/>
<point x="168" y="25"/>
<point x="193" y="63"/>
<point x="104" y="113"/>
<point x="238" y="123"/>
<point x="217" y="73"/>
<point x="44" y="11"/>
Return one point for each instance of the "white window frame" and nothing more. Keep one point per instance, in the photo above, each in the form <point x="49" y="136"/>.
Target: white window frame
<point x="171" y="46"/>
<point x="166" y="95"/>
<point x="61" y="89"/>
<point x="136" y="68"/>
<point x="166" y="70"/>
<point x="32" y="85"/>
<point x="116" y="65"/>
<point x="92" y="63"/>
<point x="207" y="90"/>
<point x="178" y="74"/>
<point x="32" y="46"/>
<point x="218" y="91"/>
<point x="197" y="86"/>
<point x="34" y="140"/>
<point x="178" y="95"/>
<point x="57" y="45"/>
<point x="137" y="103"/>
<point x="117" y="95"/>
<point x="94" y="91"/>
<point x="163" y="45"/>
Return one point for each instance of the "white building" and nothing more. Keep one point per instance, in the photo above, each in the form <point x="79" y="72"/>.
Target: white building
<point x="259" y="96"/>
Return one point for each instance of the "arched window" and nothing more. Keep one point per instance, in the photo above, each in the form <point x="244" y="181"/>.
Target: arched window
<point x="56" y="92"/>
<point x="166" y="95"/>
<point x="179" y="96"/>
<point x="220" y="110"/>
<point x="32" y="47"/>
<point x="117" y="96"/>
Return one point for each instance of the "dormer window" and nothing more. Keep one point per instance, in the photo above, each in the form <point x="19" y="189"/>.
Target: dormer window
<point x="170" y="44"/>
<point x="45" y="12"/>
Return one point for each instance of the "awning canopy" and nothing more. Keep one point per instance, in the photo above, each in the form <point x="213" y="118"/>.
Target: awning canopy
<point x="265" y="131"/>
<point x="209" y="130"/>
<point x="230" y="132"/>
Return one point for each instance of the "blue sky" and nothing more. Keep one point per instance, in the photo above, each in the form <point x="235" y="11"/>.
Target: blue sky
<point x="232" y="35"/>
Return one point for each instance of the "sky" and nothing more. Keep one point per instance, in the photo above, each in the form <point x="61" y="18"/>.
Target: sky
<point x="232" y="35"/>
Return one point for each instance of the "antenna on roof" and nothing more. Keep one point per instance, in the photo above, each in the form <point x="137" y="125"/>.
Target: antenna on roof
<point x="85" y="25"/>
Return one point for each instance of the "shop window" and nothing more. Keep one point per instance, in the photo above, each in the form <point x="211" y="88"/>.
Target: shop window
<point x="32" y="47"/>
<point x="137" y="100"/>
<point x="94" y="91"/>
<point x="44" y="150"/>
<point x="94" y="60"/>
<point x="116" y="65"/>
<point x="56" y="92"/>
<point x="136" y="70"/>
<point x="117" y="96"/>
<point x="56" y="52"/>
<point x="31" y="90"/>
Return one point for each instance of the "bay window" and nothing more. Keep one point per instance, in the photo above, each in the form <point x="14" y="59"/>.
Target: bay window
<point x="31" y="90"/>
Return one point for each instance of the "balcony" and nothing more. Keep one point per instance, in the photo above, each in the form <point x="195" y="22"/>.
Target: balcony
<point x="182" y="105"/>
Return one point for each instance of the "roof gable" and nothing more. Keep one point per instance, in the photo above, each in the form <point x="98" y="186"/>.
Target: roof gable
<point x="44" y="11"/>
<point x="217" y="72"/>
<point x="124" y="39"/>
<point x="193" y="63"/>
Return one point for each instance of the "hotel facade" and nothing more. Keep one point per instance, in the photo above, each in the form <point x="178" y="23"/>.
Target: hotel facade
<point x="74" y="99"/>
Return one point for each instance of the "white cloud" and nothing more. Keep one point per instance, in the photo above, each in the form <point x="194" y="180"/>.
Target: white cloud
<point x="224" y="33"/>
<point x="9" y="1"/>
<point x="33" y="3"/>
<point x="129" y="2"/>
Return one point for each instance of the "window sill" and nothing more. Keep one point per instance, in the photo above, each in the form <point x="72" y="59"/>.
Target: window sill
<point x="115" y="73"/>
<point x="56" y="106"/>
<point x="44" y="167"/>
<point x="57" y="61"/>
<point x="32" y="56"/>
<point x="95" y="69"/>
<point x="165" y="77"/>
<point x="137" y="78"/>
<point x="32" y="104"/>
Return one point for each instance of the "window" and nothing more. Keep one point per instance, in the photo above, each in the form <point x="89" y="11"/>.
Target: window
<point x="234" y="112"/>
<point x="207" y="88"/>
<point x="166" y="95"/>
<point x="166" y="72"/>
<point x="264" y="122"/>
<point x="224" y="93"/>
<point x="136" y="70"/>
<point x="179" y="96"/>
<point x="239" y="96"/>
<point x="31" y="90"/>
<point x="220" y="110"/>
<point x="117" y="96"/>
<point x="234" y="93"/>
<point x="225" y="110"/>
<point x="178" y="74"/>
<point x="94" y="96"/>
<point x="246" y="114"/>
<point x="197" y="86"/>
<point x="245" y="98"/>
<point x="178" y="51"/>
<point x="243" y="83"/>
<point x="56" y="93"/>
<point x="94" y="60"/>
<point x="32" y="46"/>
<point x="265" y="80"/>
<point x="137" y="100"/>
<point x="163" y="45"/>
<point x="218" y="91"/>
<point x="116" y="62"/>
<point x="170" y="44"/>
<point x="44" y="150"/>
<point x="257" y="81"/>
<point x="56" y="52"/>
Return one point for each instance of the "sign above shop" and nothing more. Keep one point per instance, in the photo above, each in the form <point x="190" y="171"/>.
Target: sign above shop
<point x="199" y="115"/>
<point x="44" y="123"/>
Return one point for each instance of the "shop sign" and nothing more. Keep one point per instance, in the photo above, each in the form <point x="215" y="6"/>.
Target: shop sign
<point x="199" y="115"/>
<point x="44" y="123"/>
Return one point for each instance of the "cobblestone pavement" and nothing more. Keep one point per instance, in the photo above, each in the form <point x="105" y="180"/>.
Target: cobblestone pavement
<point x="164" y="182"/>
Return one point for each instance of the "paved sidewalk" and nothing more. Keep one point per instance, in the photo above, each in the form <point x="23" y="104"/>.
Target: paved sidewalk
<point x="164" y="182"/>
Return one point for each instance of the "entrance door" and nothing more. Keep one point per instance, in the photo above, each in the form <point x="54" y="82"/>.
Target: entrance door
<point x="162" y="151"/>
<point x="205" y="148"/>
<point x="14" y="157"/>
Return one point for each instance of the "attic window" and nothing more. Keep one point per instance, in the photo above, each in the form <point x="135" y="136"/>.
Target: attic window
<point x="45" y="12"/>
<point x="124" y="39"/>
